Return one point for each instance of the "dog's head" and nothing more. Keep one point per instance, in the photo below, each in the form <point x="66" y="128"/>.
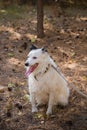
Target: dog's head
<point x="35" y="58"/>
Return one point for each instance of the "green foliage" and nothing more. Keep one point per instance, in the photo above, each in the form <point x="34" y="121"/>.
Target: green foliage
<point x="13" y="11"/>
<point x="6" y="3"/>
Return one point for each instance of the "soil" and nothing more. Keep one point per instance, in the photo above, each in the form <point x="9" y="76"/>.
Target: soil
<point x="66" y="41"/>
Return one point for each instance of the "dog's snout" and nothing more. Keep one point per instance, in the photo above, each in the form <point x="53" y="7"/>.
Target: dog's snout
<point x="26" y="64"/>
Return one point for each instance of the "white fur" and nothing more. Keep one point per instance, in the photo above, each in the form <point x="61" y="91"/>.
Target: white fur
<point x="50" y="87"/>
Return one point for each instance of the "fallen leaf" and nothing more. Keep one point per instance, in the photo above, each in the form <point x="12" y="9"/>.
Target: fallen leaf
<point x="2" y="89"/>
<point x="38" y="115"/>
<point x="11" y="85"/>
<point x="33" y="40"/>
<point x="26" y="97"/>
<point x="10" y="54"/>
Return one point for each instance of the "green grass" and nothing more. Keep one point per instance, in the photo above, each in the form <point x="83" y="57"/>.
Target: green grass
<point x="13" y="12"/>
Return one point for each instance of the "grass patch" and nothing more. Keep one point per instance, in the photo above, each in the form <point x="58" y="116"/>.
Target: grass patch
<point x="13" y="12"/>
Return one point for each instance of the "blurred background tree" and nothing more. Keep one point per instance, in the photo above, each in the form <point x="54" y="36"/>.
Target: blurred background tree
<point x="40" y="15"/>
<point x="40" y="11"/>
<point x="61" y="2"/>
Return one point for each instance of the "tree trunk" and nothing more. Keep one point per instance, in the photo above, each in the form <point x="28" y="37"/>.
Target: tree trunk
<point x="40" y="15"/>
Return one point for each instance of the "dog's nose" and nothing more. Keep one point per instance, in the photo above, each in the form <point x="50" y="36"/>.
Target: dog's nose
<point x="26" y="64"/>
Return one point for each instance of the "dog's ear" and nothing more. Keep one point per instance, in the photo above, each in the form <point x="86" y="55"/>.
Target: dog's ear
<point x="44" y="49"/>
<point x="33" y="47"/>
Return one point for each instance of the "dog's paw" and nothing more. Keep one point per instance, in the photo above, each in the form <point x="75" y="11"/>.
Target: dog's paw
<point x="49" y="112"/>
<point x="34" y="110"/>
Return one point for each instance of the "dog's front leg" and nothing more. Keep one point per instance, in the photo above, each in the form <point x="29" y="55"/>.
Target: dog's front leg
<point x="33" y="103"/>
<point x="50" y="104"/>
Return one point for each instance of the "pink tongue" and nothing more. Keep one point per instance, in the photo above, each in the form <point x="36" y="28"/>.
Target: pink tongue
<point x="29" y="71"/>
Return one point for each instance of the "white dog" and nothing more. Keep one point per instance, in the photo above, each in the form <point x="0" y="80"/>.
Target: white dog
<point x="46" y="86"/>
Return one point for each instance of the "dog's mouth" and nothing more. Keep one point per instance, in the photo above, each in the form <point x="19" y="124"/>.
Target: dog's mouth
<point x="31" y="69"/>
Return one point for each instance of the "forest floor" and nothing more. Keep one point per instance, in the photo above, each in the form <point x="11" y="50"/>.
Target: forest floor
<point x="66" y="39"/>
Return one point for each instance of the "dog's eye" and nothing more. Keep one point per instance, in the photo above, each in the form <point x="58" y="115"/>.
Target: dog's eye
<point x="34" y="57"/>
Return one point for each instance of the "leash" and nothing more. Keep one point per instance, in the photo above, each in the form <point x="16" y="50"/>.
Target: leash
<point x="59" y="72"/>
<point x="73" y="86"/>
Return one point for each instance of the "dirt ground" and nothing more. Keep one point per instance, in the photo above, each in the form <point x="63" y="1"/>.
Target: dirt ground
<point x="66" y="40"/>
